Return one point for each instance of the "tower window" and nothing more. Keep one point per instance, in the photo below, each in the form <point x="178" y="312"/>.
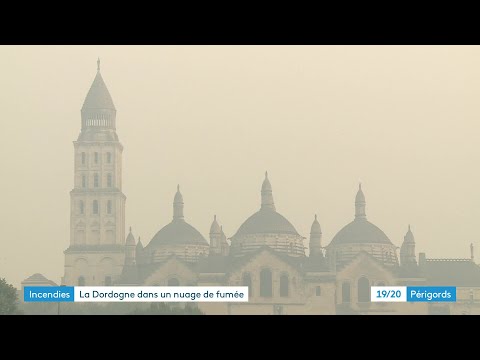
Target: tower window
<point x="363" y="290"/>
<point x="108" y="280"/>
<point x="83" y="158"/>
<point x="109" y="206"/>
<point x="80" y="207"/>
<point x="266" y="285"/>
<point x="284" y="285"/>
<point x="96" y="157"/>
<point x="318" y="291"/>
<point x="247" y="281"/>
<point x="109" y="180"/>
<point x="84" y="181"/>
<point x="95" y="207"/>
<point x="95" y="180"/>
<point x="109" y="157"/>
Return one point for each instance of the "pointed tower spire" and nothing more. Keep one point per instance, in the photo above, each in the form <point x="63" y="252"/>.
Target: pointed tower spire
<point x="130" y="239"/>
<point x="130" y="249"/>
<point x="98" y="111"/>
<point x="360" y="204"/>
<point x="215" y="228"/>
<point x="178" y="206"/>
<point x="315" y="238"/>
<point x="407" y="250"/>
<point x="267" y="196"/>
<point x="471" y="252"/>
<point x="139" y="244"/>
<point x="215" y="238"/>
<point x="139" y="252"/>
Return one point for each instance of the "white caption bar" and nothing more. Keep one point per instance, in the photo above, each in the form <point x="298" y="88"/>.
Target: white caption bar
<point x="388" y="293"/>
<point x="161" y="293"/>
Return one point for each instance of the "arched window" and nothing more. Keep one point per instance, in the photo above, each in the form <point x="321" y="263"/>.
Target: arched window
<point x="318" y="291"/>
<point x="173" y="282"/>
<point x="84" y="181"/>
<point x="284" y="285"/>
<point x="109" y="157"/>
<point x="95" y="180"/>
<point x="266" y="286"/>
<point x="109" y="180"/>
<point x="363" y="287"/>
<point x="346" y="292"/>
<point x="247" y="281"/>
<point x="83" y="158"/>
<point x="108" y="280"/>
<point x="380" y="283"/>
<point x="109" y="206"/>
<point x="95" y="156"/>
<point x="81" y="207"/>
<point x="81" y="281"/>
<point x="95" y="207"/>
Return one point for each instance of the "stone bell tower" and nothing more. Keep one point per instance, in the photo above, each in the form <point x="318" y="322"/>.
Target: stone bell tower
<point x="96" y="253"/>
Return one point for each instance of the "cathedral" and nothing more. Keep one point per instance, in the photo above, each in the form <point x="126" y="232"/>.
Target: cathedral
<point x="266" y="253"/>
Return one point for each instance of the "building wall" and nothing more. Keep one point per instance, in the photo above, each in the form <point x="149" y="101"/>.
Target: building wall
<point x="171" y="269"/>
<point x="93" y="267"/>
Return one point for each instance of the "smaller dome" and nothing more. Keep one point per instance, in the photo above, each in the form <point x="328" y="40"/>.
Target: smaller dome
<point x="360" y="232"/>
<point x="215" y="228"/>
<point x="176" y="233"/>
<point x="266" y="221"/>
<point x="315" y="229"/>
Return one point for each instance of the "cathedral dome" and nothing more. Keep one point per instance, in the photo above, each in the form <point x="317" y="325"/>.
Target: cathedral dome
<point x="267" y="227"/>
<point x="360" y="232"/>
<point x="178" y="232"/>
<point x="177" y="238"/>
<point x="361" y="235"/>
<point x="266" y="221"/>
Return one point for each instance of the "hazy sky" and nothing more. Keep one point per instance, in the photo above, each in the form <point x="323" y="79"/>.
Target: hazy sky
<point x="402" y="119"/>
